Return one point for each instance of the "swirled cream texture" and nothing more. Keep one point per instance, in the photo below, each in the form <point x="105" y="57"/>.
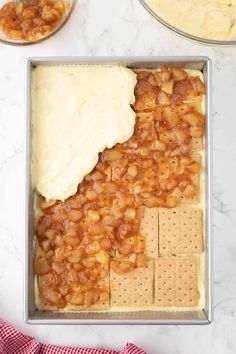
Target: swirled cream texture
<point x="77" y="111"/>
<point x="211" y="19"/>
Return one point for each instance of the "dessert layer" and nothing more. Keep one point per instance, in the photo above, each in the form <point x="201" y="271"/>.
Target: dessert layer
<point x="77" y="111"/>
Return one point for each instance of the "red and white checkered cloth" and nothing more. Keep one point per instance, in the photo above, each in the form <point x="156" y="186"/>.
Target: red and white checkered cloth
<point x="14" y="342"/>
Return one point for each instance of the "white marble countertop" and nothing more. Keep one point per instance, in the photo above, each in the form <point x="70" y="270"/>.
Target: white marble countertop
<point x="119" y="27"/>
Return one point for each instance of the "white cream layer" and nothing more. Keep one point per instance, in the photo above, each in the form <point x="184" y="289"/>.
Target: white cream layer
<point x="77" y="111"/>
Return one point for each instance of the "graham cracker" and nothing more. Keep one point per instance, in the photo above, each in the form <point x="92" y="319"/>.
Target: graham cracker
<point x="149" y="228"/>
<point x="104" y="302"/>
<point x="165" y="278"/>
<point x="180" y="231"/>
<point x="196" y="144"/>
<point x="176" y="282"/>
<point x="195" y="178"/>
<point x="132" y="289"/>
<point x="191" y="230"/>
<point x="187" y="281"/>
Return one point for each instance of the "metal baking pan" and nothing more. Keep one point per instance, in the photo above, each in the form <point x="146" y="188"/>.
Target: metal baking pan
<point x="31" y="314"/>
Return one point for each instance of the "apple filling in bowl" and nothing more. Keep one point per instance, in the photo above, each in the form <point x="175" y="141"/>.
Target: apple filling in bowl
<point x="31" y="20"/>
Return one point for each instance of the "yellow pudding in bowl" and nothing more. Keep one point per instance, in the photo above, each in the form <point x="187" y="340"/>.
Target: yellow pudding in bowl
<point x="203" y="19"/>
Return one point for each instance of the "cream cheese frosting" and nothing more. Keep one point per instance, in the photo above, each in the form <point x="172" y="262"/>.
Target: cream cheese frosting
<point x="211" y="19"/>
<point x="77" y="111"/>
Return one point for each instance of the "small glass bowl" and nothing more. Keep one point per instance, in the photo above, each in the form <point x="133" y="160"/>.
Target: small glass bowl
<point x="185" y="34"/>
<point x="69" y="7"/>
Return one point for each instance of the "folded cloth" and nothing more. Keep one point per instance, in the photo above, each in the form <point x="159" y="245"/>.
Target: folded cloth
<point x="15" y="342"/>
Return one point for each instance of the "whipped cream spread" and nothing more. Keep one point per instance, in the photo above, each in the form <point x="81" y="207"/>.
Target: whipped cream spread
<point x="211" y="19"/>
<point x="77" y="112"/>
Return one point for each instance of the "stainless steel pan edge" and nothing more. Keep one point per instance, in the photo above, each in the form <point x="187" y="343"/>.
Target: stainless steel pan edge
<point x="34" y="316"/>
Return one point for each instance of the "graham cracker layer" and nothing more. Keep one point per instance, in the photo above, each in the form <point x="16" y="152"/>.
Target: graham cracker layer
<point x="180" y="231"/>
<point x="132" y="289"/>
<point x="149" y="228"/>
<point x="176" y="282"/>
